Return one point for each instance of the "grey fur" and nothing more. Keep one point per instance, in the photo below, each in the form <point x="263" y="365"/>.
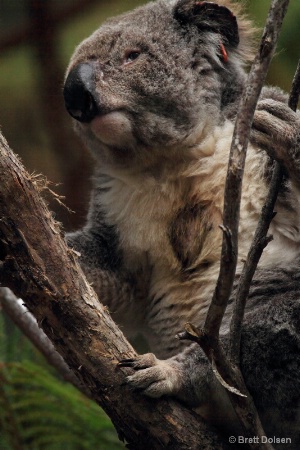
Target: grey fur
<point x="165" y="87"/>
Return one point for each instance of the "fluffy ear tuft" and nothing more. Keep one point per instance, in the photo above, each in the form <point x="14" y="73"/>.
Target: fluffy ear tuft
<point x="220" y="16"/>
<point x="209" y="16"/>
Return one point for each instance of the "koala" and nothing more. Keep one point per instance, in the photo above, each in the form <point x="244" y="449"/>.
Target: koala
<point x="154" y="94"/>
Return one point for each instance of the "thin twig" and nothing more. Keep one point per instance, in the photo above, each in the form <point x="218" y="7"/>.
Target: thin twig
<point x="28" y="325"/>
<point x="295" y="91"/>
<point x="259" y="242"/>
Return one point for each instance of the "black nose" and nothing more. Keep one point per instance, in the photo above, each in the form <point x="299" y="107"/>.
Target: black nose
<point x="79" y="93"/>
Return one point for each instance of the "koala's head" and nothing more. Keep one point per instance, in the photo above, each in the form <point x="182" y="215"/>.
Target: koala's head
<point x="153" y="82"/>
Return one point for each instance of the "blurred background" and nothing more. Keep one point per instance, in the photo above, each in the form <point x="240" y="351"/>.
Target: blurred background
<point x="37" y="38"/>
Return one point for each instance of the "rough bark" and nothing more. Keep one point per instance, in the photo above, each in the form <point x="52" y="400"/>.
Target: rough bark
<point x="38" y="266"/>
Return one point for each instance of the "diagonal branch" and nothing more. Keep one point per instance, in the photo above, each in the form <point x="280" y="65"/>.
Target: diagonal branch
<point x="36" y="263"/>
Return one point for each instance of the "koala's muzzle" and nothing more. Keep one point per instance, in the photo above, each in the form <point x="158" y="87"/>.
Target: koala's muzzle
<point x="79" y="93"/>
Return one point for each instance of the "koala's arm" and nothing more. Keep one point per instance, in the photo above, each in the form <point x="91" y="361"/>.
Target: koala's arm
<point x="101" y="260"/>
<point x="113" y="290"/>
<point x="276" y="129"/>
<point x="270" y="360"/>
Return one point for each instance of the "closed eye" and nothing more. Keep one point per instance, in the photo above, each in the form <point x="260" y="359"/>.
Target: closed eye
<point x="131" y="55"/>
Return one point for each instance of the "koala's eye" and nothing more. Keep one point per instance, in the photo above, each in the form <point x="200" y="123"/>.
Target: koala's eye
<point x="131" y="55"/>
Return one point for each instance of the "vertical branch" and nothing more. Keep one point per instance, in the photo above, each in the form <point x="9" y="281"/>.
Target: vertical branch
<point x="295" y="91"/>
<point x="237" y="157"/>
<point x="259" y="242"/>
<point x="230" y="376"/>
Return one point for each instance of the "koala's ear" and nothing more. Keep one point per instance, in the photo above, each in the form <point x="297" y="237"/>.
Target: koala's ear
<point x="208" y="16"/>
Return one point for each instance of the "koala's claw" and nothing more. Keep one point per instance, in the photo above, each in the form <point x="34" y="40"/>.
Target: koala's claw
<point x="126" y="362"/>
<point x="153" y="377"/>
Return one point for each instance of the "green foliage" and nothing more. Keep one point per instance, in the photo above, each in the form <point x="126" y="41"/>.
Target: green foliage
<point x="38" y="411"/>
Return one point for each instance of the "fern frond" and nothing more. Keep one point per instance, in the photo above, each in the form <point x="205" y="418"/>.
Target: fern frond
<point x="51" y="414"/>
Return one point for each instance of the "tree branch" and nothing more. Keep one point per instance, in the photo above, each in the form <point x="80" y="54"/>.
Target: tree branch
<point x="24" y="320"/>
<point x="230" y="376"/>
<point x="39" y="267"/>
<point x="237" y="158"/>
<point x="295" y="91"/>
<point x="259" y="242"/>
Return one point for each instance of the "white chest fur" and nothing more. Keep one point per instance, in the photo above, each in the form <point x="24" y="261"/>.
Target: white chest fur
<point x="141" y="212"/>
<point x="141" y="207"/>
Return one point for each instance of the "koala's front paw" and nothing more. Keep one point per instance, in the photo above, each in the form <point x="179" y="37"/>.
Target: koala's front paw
<point x="276" y="129"/>
<point x="153" y="377"/>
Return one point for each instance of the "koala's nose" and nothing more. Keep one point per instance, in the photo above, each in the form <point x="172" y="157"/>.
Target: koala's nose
<point x="79" y="93"/>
